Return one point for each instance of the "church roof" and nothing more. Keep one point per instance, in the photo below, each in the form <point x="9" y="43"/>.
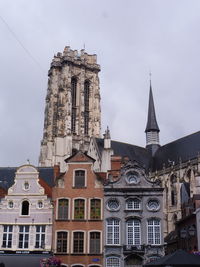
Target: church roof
<point x="183" y="149"/>
<point x="7" y="175"/>
<point x="140" y="154"/>
<point x="152" y="124"/>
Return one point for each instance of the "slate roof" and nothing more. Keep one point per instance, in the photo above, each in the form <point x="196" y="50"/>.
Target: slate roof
<point x="7" y="175"/>
<point x="140" y="154"/>
<point x="186" y="148"/>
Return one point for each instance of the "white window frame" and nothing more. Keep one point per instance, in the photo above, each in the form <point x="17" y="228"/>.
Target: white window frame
<point x="112" y="257"/>
<point x="154" y="230"/>
<point x="133" y="241"/>
<point x="74" y="171"/>
<point x="89" y="207"/>
<point x="21" y="215"/>
<point x="114" y="233"/>
<point x="24" y="233"/>
<point x="40" y="233"/>
<point x="7" y="233"/>
<point x="133" y="202"/>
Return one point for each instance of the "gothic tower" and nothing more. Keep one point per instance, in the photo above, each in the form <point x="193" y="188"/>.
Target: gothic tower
<point x="152" y="129"/>
<point x="72" y="112"/>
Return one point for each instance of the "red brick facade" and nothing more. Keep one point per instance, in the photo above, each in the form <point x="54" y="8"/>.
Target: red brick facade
<point x="78" y="214"/>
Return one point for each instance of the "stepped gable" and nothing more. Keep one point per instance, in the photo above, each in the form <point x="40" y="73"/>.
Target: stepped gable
<point x="184" y="149"/>
<point x="140" y="154"/>
<point x="7" y="175"/>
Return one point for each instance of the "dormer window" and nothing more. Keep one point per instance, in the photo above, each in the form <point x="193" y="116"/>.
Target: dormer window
<point x="79" y="179"/>
<point x="25" y="208"/>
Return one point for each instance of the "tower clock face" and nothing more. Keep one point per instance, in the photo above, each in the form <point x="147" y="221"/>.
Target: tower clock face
<point x="133" y="178"/>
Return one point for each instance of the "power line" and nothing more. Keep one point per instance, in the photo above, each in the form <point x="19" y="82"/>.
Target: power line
<point x="21" y="44"/>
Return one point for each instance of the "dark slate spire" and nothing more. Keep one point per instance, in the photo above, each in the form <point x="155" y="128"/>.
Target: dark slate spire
<point x="152" y="125"/>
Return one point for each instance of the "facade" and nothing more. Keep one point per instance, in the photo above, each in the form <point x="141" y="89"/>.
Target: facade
<point x="72" y="112"/>
<point x="26" y="214"/>
<point x="133" y="217"/>
<point x="78" y="214"/>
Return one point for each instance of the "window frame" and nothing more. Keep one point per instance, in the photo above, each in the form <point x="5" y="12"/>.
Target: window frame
<point x="9" y="236"/>
<point x="84" y="242"/>
<point x="74" y="176"/>
<point x="134" y="232"/>
<point x="24" y="234"/>
<point x="21" y="208"/>
<point x="57" y="208"/>
<point x="56" y="241"/>
<point x="133" y="202"/>
<point x="113" y="232"/>
<point x="85" y="209"/>
<point x="100" y="242"/>
<point x="90" y="209"/>
<point x="153" y="226"/>
<point x="112" y="257"/>
<point x="41" y="233"/>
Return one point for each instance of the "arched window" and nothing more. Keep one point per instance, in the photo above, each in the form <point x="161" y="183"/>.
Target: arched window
<point x="79" y="179"/>
<point x="173" y="180"/>
<point x="63" y="206"/>
<point x="78" y="242"/>
<point x="95" y="209"/>
<point x="95" y="242"/>
<point x="112" y="262"/>
<point x="86" y="106"/>
<point x="133" y="232"/>
<point x="61" y="242"/>
<point x="79" y="209"/>
<point x="154" y="232"/>
<point x="25" y="208"/>
<point x="133" y="204"/>
<point x="113" y="232"/>
<point x="73" y="100"/>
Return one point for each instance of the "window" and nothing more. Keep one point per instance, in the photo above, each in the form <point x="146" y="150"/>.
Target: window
<point x="86" y="106"/>
<point x="133" y="204"/>
<point x="78" y="245"/>
<point x="23" y="236"/>
<point x="61" y="242"/>
<point x="40" y="204"/>
<point x="133" y="232"/>
<point x="153" y="205"/>
<point x="25" y="208"/>
<point x="79" y="179"/>
<point x="26" y="185"/>
<point x="63" y="209"/>
<point x="7" y="236"/>
<point x="40" y="236"/>
<point x="113" y="230"/>
<point x="79" y="209"/>
<point x="154" y="235"/>
<point x="112" y="262"/>
<point x="73" y="98"/>
<point x="94" y="242"/>
<point x="10" y="204"/>
<point x="113" y="205"/>
<point x="95" y="209"/>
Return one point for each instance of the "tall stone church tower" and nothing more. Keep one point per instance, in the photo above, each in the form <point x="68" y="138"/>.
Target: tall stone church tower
<point x="72" y="112"/>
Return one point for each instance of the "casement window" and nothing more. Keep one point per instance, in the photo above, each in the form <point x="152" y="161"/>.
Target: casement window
<point x="86" y="106"/>
<point x="154" y="232"/>
<point x="63" y="206"/>
<point x="95" y="209"/>
<point x="133" y="232"/>
<point x="79" y="179"/>
<point x="61" y="246"/>
<point x="40" y="236"/>
<point x="7" y="236"/>
<point x="95" y="242"/>
<point x="79" y="209"/>
<point x="73" y="99"/>
<point x="23" y="236"/>
<point x="78" y="242"/>
<point x="112" y="262"/>
<point x="113" y="232"/>
<point x="25" y="208"/>
<point x="133" y="204"/>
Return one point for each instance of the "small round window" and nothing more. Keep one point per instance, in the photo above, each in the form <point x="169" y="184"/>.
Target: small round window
<point x="153" y="205"/>
<point x="26" y="185"/>
<point x="113" y="204"/>
<point x="40" y="204"/>
<point x="10" y="204"/>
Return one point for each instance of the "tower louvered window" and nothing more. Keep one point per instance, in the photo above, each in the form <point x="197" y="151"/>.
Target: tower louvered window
<point x="73" y="96"/>
<point x="86" y="106"/>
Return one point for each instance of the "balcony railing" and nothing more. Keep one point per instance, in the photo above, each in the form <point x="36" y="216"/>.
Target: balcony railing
<point x="133" y="248"/>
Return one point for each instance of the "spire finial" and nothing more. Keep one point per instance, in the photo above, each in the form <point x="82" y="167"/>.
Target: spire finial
<point x="150" y="74"/>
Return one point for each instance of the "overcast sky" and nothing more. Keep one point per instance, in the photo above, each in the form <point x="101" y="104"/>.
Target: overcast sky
<point x="130" y="37"/>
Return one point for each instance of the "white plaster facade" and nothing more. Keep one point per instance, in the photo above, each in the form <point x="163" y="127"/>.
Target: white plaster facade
<point x="26" y="214"/>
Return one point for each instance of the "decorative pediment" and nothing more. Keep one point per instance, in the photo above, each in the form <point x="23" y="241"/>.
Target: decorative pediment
<point x="79" y="157"/>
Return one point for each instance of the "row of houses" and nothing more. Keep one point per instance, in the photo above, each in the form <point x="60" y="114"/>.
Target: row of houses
<point x="83" y="217"/>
